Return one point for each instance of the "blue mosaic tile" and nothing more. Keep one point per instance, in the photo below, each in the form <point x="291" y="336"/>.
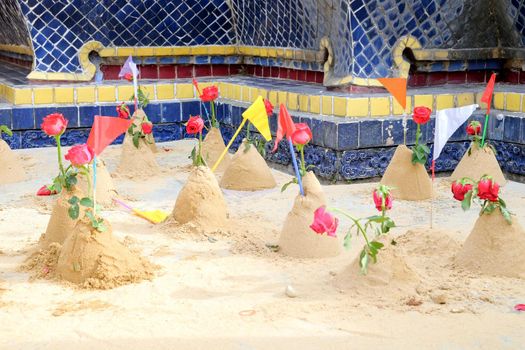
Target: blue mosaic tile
<point x="167" y="132"/>
<point x="23" y="119"/>
<point x="511" y="131"/>
<point x="110" y="110"/>
<point x="87" y="115"/>
<point x="370" y="133"/>
<point x="190" y="109"/>
<point x="154" y="113"/>
<point x="171" y="112"/>
<point x="15" y="141"/>
<point x="5" y="117"/>
<point x="348" y="136"/>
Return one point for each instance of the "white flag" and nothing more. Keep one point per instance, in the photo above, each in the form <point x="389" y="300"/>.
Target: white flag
<point x="130" y="67"/>
<point x="447" y="122"/>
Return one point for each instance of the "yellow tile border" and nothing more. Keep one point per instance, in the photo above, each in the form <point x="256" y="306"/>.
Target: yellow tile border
<point x="356" y="106"/>
<point x="19" y="49"/>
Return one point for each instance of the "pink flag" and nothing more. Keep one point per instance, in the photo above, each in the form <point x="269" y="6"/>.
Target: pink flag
<point x="105" y="130"/>
<point x="285" y="126"/>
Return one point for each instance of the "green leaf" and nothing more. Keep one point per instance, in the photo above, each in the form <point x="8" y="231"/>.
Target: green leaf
<point x="74" y="211"/>
<point x="376" y="244"/>
<point x="466" y="202"/>
<point x="4" y="129"/>
<point x="347" y="240"/>
<point x="363" y="262"/>
<point x="136" y="137"/>
<point x="285" y="186"/>
<point x="73" y="200"/>
<point x="86" y="202"/>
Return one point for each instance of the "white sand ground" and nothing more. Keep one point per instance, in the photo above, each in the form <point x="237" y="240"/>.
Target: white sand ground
<point x="226" y="290"/>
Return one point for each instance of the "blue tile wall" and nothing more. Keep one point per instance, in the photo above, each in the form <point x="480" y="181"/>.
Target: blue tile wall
<point x="342" y="149"/>
<point x="363" y="33"/>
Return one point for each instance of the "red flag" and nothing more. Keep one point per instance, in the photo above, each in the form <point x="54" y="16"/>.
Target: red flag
<point x="105" y="130"/>
<point x="487" y="95"/>
<point x="397" y="88"/>
<point x="285" y="126"/>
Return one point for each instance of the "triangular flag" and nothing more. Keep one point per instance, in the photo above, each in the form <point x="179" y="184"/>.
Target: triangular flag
<point x="398" y="88"/>
<point x="285" y="126"/>
<point x="257" y="115"/>
<point x="447" y="122"/>
<point x="105" y="130"/>
<point x="130" y="67"/>
<point x="489" y="90"/>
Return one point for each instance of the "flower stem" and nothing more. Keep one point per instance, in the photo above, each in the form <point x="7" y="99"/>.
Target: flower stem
<point x="59" y="151"/>
<point x="418" y="134"/>
<point x="356" y="222"/>
<point x="200" y="160"/>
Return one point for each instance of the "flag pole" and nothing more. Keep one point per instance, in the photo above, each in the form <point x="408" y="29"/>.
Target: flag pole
<point x="485" y="128"/>
<point x="95" y="184"/>
<point x="221" y="157"/>
<point x="296" y="168"/>
<point x="432" y="193"/>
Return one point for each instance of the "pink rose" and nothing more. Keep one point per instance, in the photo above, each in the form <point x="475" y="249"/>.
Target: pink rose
<point x="378" y="201"/>
<point x="302" y="134"/>
<point x="324" y="222"/>
<point x="54" y="124"/>
<point x="80" y="155"/>
<point x="147" y="128"/>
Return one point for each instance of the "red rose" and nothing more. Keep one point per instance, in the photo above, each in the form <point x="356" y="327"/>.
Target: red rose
<point x="474" y="128"/>
<point x="45" y="191"/>
<point x="80" y="155"/>
<point x="211" y="93"/>
<point x="459" y="190"/>
<point x="302" y="134"/>
<point x="422" y="115"/>
<point x="269" y="107"/>
<point x="194" y="125"/>
<point x="123" y="111"/>
<point x="324" y="222"/>
<point x="54" y="124"/>
<point x="488" y="190"/>
<point x="378" y="201"/>
<point x="128" y="77"/>
<point x="147" y="128"/>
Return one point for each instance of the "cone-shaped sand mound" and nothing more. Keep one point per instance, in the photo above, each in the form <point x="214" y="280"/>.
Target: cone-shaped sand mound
<point x="200" y="201"/>
<point x="481" y="161"/>
<point x="11" y="170"/>
<point x="139" y="117"/>
<point x="410" y="182"/>
<point x="494" y="247"/>
<point x="60" y="225"/>
<point x="248" y="171"/>
<point x="105" y="188"/>
<point x="297" y="238"/>
<point x="212" y="147"/>
<point x="390" y="274"/>
<point x="95" y="259"/>
<point x="137" y="162"/>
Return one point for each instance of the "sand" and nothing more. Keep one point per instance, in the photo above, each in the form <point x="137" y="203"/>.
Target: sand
<point x="247" y="171"/>
<point x="297" y="238"/>
<point x="95" y="259"/>
<point x="228" y="290"/>
<point x="200" y="202"/>
<point x="60" y="223"/>
<point x="105" y="188"/>
<point x="11" y="169"/>
<point x="212" y="147"/>
<point x="494" y="247"/>
<point x="409" y="181"/>
<point x="137" y="163"/>
<point x="480" y="162"/>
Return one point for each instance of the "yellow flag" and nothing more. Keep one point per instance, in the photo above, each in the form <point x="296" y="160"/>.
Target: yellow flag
<point x="256" y="114"/>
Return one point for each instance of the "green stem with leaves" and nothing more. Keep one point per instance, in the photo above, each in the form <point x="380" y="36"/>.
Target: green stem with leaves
<point x="303" y="163"/>
<point x="418" y="134"/>
<point x="355" y="221"/>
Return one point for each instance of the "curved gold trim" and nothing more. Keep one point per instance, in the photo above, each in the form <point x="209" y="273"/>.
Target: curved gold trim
<point x="89" y="70"/>
<point x="19" y="49"/>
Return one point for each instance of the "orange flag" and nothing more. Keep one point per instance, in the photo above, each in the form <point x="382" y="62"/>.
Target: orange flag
<point x="487" y="95"/>
<point x="398" y="88"/>
<point x="105" y="130"/>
